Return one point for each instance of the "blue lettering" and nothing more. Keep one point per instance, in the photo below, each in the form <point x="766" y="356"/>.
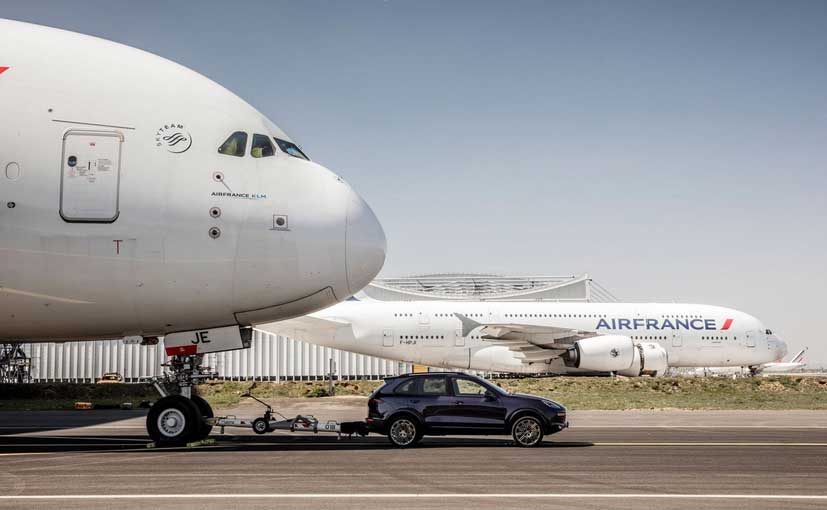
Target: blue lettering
<point x="602" y="324"/>
<point x="679" y="323"/>
<point x="621" y="323"/>
<point x="667" y="324"/>
<point x="709" y="324"/>
<point x="652" y="324"/>
<point x="699" y="321"/>
<point x="638" y="323"/>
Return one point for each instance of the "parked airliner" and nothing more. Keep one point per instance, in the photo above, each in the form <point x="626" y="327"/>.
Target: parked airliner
<point x="542" y="337"/>
<point x="139" y="198"/>
<point x="796" y="362"/>
<point x="779" y="367"/>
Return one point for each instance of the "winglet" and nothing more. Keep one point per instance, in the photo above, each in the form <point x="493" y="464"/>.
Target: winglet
<point x="468" y="325"/>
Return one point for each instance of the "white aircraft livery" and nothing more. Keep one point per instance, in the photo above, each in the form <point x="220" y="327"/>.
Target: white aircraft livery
<point x="774" y="367"/>
<point x="541" y="337"/>
<point x="139" y="198"/>
<point x="779" y="367"/>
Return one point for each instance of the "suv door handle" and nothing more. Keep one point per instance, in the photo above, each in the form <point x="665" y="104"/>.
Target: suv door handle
<point x="458" y="402"/>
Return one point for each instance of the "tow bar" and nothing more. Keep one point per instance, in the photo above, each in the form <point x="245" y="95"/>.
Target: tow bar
<point x="300" y="423"/>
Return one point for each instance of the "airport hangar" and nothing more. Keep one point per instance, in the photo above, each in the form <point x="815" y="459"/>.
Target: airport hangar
<point x="277" y="358"/>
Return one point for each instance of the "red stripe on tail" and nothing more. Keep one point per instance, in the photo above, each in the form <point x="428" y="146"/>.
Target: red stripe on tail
<point x="727" y="324"/>
<point x="3" y="69"/>
<point x="182" y="350"/>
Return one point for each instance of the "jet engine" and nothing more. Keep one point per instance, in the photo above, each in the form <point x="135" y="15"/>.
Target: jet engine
<point x="650" y="359"/>
<point x="607" y="353"/>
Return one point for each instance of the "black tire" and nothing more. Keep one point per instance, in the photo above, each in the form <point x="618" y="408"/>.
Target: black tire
<point x="260" y="426"/>
<point x="205" y="411"/>
<point x="173" y="421"/>
<point x="404" y="431"/>
<point x="527" y="431"/>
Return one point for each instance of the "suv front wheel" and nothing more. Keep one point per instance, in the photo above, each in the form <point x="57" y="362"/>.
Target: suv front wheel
<point x="404" y="432"/>
<point x="527" y="431"/>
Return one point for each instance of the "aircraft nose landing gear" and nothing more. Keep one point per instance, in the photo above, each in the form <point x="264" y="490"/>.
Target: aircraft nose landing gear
<point x="175" y="420"/>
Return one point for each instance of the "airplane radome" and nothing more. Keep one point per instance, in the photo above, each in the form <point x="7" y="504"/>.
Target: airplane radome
<point x="141" y="198"/>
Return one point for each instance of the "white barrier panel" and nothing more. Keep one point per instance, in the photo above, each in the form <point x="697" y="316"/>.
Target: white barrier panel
<point x="269" y="358"/>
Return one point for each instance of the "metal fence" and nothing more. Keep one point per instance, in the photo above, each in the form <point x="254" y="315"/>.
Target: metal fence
<point x="269" y="358"/>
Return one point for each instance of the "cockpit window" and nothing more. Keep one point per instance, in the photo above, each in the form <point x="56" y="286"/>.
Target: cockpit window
<point x="235" y="144"/>
<point x="291" y="148"/>
<point x="769" y="332"/>
<point x="262" y="147"/>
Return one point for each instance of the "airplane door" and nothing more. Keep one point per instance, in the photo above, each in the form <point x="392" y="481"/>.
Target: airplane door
<point x="423" y="317"/>
<point x="750" y="339"/>
<point x="459" y="340"/>
<point x="387" y="338"/>
<point x="90" y="176"/>
<point x="677" y="339"/>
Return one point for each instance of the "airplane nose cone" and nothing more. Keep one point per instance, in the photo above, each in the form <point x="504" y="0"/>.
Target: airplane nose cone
<point x="366" y="244"/>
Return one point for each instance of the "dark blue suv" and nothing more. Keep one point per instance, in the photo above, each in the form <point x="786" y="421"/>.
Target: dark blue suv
<point x="410" y="406"/>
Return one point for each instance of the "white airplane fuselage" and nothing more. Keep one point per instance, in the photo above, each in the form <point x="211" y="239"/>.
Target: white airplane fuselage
<point x="429" y="332"/>
<point x="120" y="216"/>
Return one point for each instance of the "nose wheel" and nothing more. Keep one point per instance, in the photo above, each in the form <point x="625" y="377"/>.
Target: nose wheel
<point x="173" y="421"/>
<point x="176" y="420"/>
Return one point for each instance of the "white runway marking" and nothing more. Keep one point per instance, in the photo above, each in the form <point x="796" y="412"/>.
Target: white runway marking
<point x="414" y="495"/>
<point x="688" y="443"/>
<point x="799" y="427"/>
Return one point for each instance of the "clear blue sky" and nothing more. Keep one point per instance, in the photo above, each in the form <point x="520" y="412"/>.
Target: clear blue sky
<point x="674" y="150"/>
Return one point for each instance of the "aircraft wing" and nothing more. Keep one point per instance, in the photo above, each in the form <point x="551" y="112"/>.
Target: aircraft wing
<point x="529" y="342"/>
<point x="299" y="327"/>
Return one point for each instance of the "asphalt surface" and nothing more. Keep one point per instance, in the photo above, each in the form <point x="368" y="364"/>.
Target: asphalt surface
<point x="99" y="459"/>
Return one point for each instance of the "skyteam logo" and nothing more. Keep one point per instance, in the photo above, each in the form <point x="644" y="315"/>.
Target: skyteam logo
<point x="174" y="137"/>
<point x="658" y="324"/>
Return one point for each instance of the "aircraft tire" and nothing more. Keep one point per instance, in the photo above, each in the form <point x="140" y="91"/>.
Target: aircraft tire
<point x="173" y="421"/>
<point x="205" y="411"/>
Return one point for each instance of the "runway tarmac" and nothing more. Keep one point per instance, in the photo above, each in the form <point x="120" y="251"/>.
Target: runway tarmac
<point x="627" y="459"/>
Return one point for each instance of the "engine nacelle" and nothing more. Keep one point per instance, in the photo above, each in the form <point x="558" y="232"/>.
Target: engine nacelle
<point x="607" y="353"/>
<point x="650" y="359"/>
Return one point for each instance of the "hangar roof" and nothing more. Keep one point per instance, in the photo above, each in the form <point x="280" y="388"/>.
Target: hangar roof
<point x="491" y="287"/>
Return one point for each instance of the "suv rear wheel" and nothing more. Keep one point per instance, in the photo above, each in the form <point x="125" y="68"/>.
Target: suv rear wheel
<point x="527" y="431"/>
<point x="404" y="432"/>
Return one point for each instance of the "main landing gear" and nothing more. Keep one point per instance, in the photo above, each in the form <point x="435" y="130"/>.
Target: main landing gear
<point x="176" y="420"/>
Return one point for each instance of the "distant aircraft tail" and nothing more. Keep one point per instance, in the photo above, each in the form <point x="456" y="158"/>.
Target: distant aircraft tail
<point x="799" y="358"/>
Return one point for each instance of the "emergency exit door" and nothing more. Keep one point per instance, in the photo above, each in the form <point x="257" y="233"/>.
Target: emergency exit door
<point x="90" y="176"/>
<point x="459" y="340"/>
<point x="387" y="338"/>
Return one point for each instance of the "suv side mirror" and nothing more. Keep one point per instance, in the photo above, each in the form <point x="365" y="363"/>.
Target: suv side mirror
<point x="489" y="395"/>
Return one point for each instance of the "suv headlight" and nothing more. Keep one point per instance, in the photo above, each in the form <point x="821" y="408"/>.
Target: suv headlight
<point x="554" y="405"/>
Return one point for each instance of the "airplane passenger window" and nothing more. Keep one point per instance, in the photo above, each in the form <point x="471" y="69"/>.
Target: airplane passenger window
<point x="262" y="147"/>
<point x="235" y="145"/>
<point x="291" y="148"/>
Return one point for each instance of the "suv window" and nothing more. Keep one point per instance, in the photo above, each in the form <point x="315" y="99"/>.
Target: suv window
<point x="378" y="390"/>
<point x="467" y="387"/>
<point x="434" y="385"/>
<point x="262" y="147"/>
<point x="234" y="145"/>
<point x="406" y="387"/>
